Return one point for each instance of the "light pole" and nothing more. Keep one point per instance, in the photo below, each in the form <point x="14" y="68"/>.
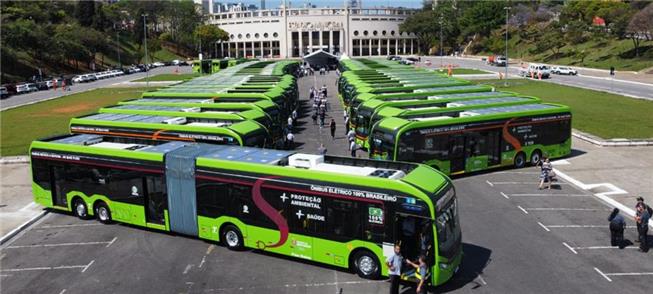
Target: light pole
<point x="118" y="44"/>
<point x="441" y="22"/>
<point x="147" y="72"/>
<point x="507" y="9"/>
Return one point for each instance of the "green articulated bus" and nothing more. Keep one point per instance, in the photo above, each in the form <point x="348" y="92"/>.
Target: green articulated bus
<point x="174" y="128"/>
<point x="344" y="212"/>
<point x="278" y="99"/>
<point x="351" y="91"/>
<point x="269" y="107"/>
<point x="477" y="139"/>
<point x="446" y="108"/>
<point x="200" y="113"/>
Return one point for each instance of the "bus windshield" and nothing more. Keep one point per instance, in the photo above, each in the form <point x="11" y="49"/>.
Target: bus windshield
<point x="447" y="224"/>
<point x="382" y="145"/>
<point x="362" y="120"/>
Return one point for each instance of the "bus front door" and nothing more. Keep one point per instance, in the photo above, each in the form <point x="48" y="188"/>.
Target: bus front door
<point x="415" y="234"/>
<point x="457" y="153"/>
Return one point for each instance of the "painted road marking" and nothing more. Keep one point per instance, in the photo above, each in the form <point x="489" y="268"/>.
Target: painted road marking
<point x="62" y="291"/>
<point x="582" y="226"/>
<point x="62" y="244"/>
<point x="489" y="183"/>
<point x="602" y="274"/>
<point x="111" y="242"/>
<point x="521" y="183"/>
<point x="607" y="275"/>
<point x="202" y="262"/>
<point x="88" y="265"/>
<point x="569" y="247"/>
<point x="187" y="269"/>
<point x="504" y="195"/>
<point x="563" y="209"/>
<point x="549" y="195"/>
<point x="543" y="226"/>
<point x="287" y="286"/>
<point x="522" y="209"/>
<point x="45" y="268"/>
<point x="28" y="206"/>
<point x="66" y="226"/>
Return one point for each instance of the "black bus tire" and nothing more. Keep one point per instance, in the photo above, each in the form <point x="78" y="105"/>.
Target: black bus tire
<point x="232" y="237"/>
<point x="79" y="208"/>
<point x="520" y="160"/>
<point x="102" y="212"/>
<point x="536" y="156"/>
<point x="367" y="265"/>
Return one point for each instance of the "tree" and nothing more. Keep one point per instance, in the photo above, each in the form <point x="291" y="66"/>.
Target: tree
<point x="209" y="34"/>
<point x="481" y="17"/>
<point x="424" y="25"/>
<point x="85" y="12"/>
<point x="640" y="26"/>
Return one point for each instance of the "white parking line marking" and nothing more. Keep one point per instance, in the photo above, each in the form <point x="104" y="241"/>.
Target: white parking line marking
<point x="28" y="206"/>
<point x="583" y="226"/>
<point x="3" y="275"/>
<point x="60" y="244"/>
<point x="62" y="291"/>
<point x="629" y="274"/>
<point x="504" y="195"/>
<point x="569" y="247"/>
<point x="66" y="226"/>
<point x="602" y="274"/>
<point x="543" y="226"/>
<point x="489" y="183"/>
<point x="563" y="209"/>
<point x="482" y="280"/>
<point x="202" y="262"/>
<point x="88" y="265"/>
<point x="518" y="172"/>
<point x="112" y="240"/>
<point x="603" y="247"/>
<point x="522" y="183"/>
<point x="286" y="286"/>
<point x="549" y="195"/>
<point x="522" y="209"/>
<point x="43" y="268"/>
<point x="187" y="268"/>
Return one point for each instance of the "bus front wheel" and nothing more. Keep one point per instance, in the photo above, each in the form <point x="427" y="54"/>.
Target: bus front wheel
<point x="103" y="213"/>
<point x="367" y="265"/>
<point x="79" y="208"/>
<point x="232" y="238"/>
<point x="536" y="156"/>
<point x="520" y="160"/>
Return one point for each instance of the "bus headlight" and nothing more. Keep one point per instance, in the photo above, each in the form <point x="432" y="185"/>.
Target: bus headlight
<point x="444" y="266"/>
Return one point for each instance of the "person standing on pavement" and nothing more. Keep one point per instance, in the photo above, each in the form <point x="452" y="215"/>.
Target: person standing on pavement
<point x="290" y="141"/>
<point x="322" y="150"/>
<point x="394" y="264"/>
<point x="332" y="126"/>
<point x="294" y="116"/>
<point x="642" y="219"/>
<point x="617" y="226"/>
<point x="546" y="168"/>
<point x="346" y="124"/>
<point x="322" y="117"/>
<point x="351" y="135"/>
<point x="353" y="147"/>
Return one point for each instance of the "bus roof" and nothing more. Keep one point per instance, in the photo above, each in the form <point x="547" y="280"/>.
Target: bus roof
<point x="197" y="112"/>
<point x="455" y="105"/>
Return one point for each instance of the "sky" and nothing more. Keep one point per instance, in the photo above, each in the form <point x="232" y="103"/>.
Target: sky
<point x="336" y="3"/>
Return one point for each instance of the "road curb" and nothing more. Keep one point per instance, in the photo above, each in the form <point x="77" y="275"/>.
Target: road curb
<point x="14" y="160"/>
<point x="612" y="142"/>
<point x="22" y="227"/>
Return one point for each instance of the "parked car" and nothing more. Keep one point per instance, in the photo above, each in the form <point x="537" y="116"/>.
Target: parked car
<point x="536" y="70"/>
<point x="563" y="70"/>
<point x="42" y="86"/>
<point x="11" y="89"/>
<point x="176" y="62"/>
<point x="79" y="79"/>
<point x="23" y="89"/>
<point x="4" y="93"/>
<point x="500" y="61"/>
<point x="33" y="87"/>
<point x="158" y="64"/>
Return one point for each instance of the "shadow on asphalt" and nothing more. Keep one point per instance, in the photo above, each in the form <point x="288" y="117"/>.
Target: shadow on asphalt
<point x="475" y="260"/>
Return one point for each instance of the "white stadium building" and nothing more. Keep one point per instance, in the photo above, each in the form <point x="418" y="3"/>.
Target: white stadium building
<point x="297" y="32"/>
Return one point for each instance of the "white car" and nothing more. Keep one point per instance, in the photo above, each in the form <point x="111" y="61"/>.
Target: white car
<point x="23" y="88"/>
<point x="158" y="64"/>
<point x="536" y="70"/>
<point x="563" y="70"/>
<point x="79" y="79"/>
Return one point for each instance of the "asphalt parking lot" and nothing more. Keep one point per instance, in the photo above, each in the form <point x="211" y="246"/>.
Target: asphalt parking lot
<point x="516" y="239"/>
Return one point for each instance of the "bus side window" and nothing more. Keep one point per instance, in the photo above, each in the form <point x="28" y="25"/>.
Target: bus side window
<point x="343" y="219"/>
<point x="41" y="173"/>
<point x="242" y="205"/>
<point x="374" y="220"/>
<point x="212" y="198"/>
<point x="123" y="185"/>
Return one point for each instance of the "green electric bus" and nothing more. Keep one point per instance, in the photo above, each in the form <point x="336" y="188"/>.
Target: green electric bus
<point x="344" y="212"/>
<point x="200" y="113"/>
<point x="269" y="107"/>
<point x="476" y="139"/>
<point x="174" y="128"/>
<point x="445" y="108"/>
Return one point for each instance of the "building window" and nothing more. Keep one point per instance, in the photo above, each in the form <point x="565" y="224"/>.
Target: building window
<point x="256" y="35"/>
<point x="275" y="35"/>
<point x="232" y="36"/>
<point x="248" y="36"/>
<point x="384" y="33"/>
<point x="392" y="33"/>
<point x="375" y="33"/>
<point x="365" y="33"/>
<point x="265" y="35"/>
<point x="240" y="36"/>
<point x="355" y="33"/>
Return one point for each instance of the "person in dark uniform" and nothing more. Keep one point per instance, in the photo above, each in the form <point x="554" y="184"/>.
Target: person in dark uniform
<point x="642" y="226"/>
<point x="617" y="226"/>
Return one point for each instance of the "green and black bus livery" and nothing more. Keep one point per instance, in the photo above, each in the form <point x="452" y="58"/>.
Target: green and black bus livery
<point x="168" y="128"/>
<point x="446" y="108"/>
<point x="344" y="212"/>
<point x="477" y="139"/>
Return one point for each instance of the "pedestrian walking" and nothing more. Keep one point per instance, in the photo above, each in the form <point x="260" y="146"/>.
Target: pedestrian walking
<point x="294" y="116"/>
<point x="322" y="150"/>
<point x="351" y="136"/>
<point x="290" y="122"/>
<point x="332" y="126"/>
<point x="325" y="90"/>
<point x="322" y="117"/>
<point x="421" y="268"/>
<point x="545" y="171"/>
<point x="617" y="226"/>
<point x="394" y="264"/>
<point x="290" y="141"/>
<point x="642" y="219"/>
<point x="314" y="117"/>
<point x="354" y="147"/>
<point x="311" y="93"/>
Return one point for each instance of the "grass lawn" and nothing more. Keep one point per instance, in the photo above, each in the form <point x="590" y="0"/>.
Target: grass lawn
<point x="169" y="77"/>
<point x="21" y="125"/>
<point x="601" y="114"/>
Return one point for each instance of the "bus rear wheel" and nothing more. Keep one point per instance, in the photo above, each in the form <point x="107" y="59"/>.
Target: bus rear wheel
<point x="367" y="265"/>
<point x="520" y="160"/>
<point x="79" y="208"/>
<point x="232" y="238"/>
<point x="103" y="213"/>
<point x="536" y="156"/>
